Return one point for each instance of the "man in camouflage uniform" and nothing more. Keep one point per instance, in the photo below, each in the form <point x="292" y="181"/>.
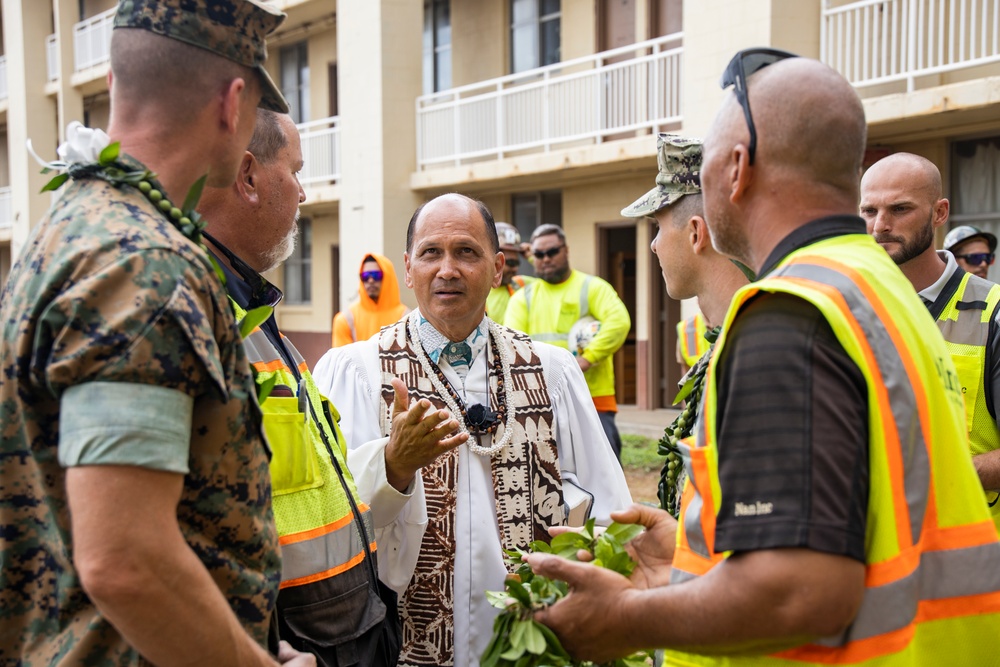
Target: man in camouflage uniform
<point x="134" y="489"/>
<point x="691" y="269"/>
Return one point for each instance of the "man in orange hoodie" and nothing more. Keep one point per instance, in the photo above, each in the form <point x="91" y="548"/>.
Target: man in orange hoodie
<point x="378" y="303"/>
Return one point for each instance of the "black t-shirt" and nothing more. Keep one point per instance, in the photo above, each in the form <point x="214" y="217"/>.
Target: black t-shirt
<point x="792" y="424"/>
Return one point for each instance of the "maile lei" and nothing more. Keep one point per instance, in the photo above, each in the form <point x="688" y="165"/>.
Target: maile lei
<point x="682" y="427"/>
<point x="90" y="153"/>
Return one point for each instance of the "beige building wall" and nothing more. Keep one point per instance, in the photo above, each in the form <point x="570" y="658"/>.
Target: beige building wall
<point x="30" y="113"/>
<point x="578" y="32"/>
<point x="599" y="202"/>
<point x="309" y="325"/>
<point x="380" y="77"/>
<point x="479" y="27"/>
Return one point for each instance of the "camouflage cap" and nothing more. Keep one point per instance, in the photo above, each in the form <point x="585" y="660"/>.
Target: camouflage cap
<point x="679" y="162"/>
<point x="233" y="29"/>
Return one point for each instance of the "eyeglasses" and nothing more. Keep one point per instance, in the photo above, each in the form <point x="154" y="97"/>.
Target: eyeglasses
<point x="977" y="258"/>
<point x="371" y="275"/>
<point x="744" y="64"/>
<point x="513" y="263"/>
<point x="551" y="252"/>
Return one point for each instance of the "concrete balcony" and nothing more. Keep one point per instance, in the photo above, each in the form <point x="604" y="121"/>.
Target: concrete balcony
<point x="889" y="46"/>
<point x="92" y="40"/>
<point x="320" y="173"/>
<point x="52" y="57"/>
<point x="6" y="213"/>
<point x="582" y="102"/>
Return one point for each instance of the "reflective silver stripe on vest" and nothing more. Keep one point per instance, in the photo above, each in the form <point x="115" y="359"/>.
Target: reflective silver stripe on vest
<point x="549" y="337"/>
<point x="584" y="308"/>
<point x="326" y="552"/>
<point x="260" y="350"/>
<point x="940" y="575"/>
<point x="892" y="372"/>
<point x="691" y="333"/>
<point x="692" y="513"/>
<point x="969" y="328"/>
<point x="902" y="400"/>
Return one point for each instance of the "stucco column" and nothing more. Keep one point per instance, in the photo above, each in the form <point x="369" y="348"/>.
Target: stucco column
<point x="30" y="113"/>
<point x="379" y="49"/>
<point x="69" y="100"/>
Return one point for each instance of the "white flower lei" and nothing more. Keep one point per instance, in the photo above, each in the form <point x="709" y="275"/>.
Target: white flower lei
<point x="425" y="363"/>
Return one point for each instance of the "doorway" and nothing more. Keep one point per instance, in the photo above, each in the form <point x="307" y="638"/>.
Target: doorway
<point x="616" y="264"/>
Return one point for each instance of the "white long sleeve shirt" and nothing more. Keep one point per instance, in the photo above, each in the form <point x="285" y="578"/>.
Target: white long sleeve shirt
<point x="351" y="377"/>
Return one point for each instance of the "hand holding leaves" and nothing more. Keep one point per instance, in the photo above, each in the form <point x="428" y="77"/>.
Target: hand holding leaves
<point x="519" y="640"/>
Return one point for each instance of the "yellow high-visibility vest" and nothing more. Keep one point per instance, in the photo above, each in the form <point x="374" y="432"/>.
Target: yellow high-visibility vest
<point x="965" y="324"/>
<point x="932" y="584"/>
<point x="319" y="535"/>
<point x="691" y="337"/>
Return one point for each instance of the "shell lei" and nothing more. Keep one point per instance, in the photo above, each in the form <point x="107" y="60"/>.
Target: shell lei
<point x="442" y="391"/>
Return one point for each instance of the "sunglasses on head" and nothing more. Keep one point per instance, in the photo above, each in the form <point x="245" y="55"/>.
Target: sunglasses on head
<point x="371" y="275"/>
<point x="977" y="258"/>
<point x="551" y="252"/>
<point x="743" y="65"/>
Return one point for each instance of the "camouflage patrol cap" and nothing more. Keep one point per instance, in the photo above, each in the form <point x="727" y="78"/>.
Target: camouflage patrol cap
<point x="679" y="162"/>
<point x="233" y="29"/>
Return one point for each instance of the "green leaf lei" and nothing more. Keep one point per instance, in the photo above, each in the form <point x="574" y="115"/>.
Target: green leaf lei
<point x="520" y="641"/>
<point x="682" y="427"/>
<point x="186" y="219"/>
<point x="109" y="169"/>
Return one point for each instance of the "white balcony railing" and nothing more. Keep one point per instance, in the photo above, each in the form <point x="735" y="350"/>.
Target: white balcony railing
<point x="582" y="100"/>
<point x="52" y="57"/>
<point x="92" y="40"/>
<point x="3" y="77"/>
<point x="873" y="42"/>
<point x="320" y="151"/>
<point x="6" y="213"/>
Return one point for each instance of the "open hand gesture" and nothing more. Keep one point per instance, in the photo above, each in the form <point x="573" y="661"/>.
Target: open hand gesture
<point x="419" y="435"/>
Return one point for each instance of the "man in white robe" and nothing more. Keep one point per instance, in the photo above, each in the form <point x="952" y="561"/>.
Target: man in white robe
<point x="452" y="262"/>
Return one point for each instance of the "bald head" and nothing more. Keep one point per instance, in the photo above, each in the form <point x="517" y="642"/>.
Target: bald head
<point x="913" y="173"/>
<point x="902" y="205"/>
<point x="810" y="123"/>
<point x="474" y="210"/>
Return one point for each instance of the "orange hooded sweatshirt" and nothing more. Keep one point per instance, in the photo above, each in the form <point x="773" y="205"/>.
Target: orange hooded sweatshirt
<point x="363" y="319"/>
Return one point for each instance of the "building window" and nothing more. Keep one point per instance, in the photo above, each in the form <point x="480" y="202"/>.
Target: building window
<point x="295" y="80"/>
<point x="437" y="45"/>
<point x="534" y="34"/>
<point x="298" y="267"/>
<point x="530" y="210"/>
<point x="975" y="193"/>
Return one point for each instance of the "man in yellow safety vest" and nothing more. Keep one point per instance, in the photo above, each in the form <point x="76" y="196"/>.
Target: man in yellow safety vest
<point x="329" y="602"/>
<point x="832" y="514"/>
<point x="902" y="204"/>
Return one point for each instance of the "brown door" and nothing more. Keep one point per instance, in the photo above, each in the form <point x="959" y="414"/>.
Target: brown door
<point x="615" y="25"/>
<point x="617" y="266"/>
<point x="615" y="28"/>
<point x="665" y="17"/>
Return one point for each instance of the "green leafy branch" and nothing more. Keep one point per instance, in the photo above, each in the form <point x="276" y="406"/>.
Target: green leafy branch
<point x="520" y="641"/>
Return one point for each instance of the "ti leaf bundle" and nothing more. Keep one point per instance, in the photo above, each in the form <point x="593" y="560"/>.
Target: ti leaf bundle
<point x="520" y="641"/>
